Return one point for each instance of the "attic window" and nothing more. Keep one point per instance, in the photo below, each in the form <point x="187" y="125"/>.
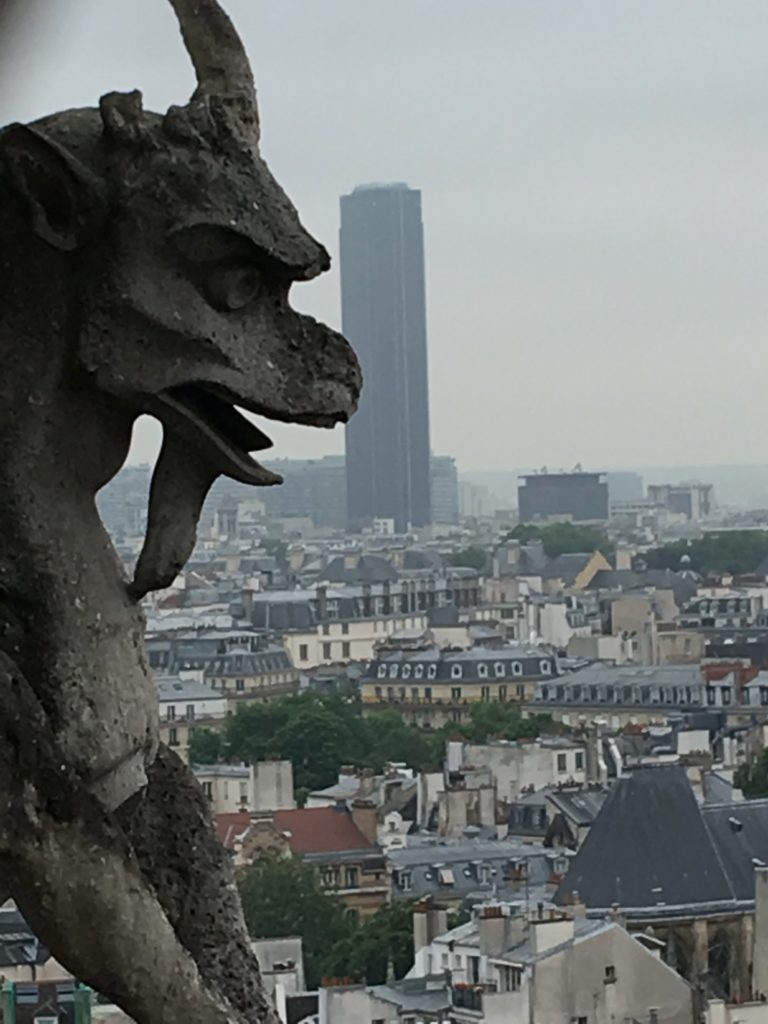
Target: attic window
<point x="381" y="671"/>
<point x="418" y="671"/>
<point x="446" y="876"/>
<point x="482" y="670"/>
<point x="393" y="671"/>
<point x="498" y="669"/>
<point x="544" y="667"/>
<point x="456" y="671"/>
<point x="406" y="673"/>
<point x="431" y="671"/>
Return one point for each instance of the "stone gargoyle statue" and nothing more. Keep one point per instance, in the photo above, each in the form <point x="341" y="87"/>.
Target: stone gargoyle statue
<point x="145" y="267"/>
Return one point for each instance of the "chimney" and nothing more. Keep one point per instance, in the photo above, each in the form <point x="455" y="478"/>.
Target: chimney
<point x="760" y="948"/>
<point x="365" y="817"/>
<point x="429" y="921"/>
<point x="322" y="603"/>
<point x="499" y="928"/>
<point x="551" y="932"/>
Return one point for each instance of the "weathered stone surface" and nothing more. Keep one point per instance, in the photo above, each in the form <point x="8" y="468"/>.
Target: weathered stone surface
<point x="145" y="266"/>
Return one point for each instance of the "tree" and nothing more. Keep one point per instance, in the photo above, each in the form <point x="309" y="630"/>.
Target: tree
<point x="564" y="539"/>
<point x="385" y="938"/>
<point x="734" y="551"/>
<point x="283" y="896"/>
<point x="470" y="558"/>
<point x="506" y="721"/>
<point x="752" y="778"/>
<point x="204" y="747"/>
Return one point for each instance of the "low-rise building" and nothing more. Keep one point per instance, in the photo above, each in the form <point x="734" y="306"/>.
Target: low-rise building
<point x="339" y="842"/>
<point x="244" y="676"/>
<point x="431" y="687"/>
<point x="512" y="966"/>
<point x="184" y="706"/>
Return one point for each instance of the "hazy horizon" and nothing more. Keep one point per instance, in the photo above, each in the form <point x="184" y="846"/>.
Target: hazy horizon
<point x="594" y="203"/>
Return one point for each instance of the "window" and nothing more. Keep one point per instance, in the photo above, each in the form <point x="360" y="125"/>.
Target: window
<point x="431" y="671"/>
<point x="456" y="671"/>
<point x="377" y="692"/>
<point x="418" y="672"/>
<point x="485" y="693"/>
<point x="303" y="652"/>
<point x="545" y="667"/>
<point x="406" y="672"/>
<point x="414" y="693"/>
<point x="406" y="881"/>
<point x="498" y="669"/>
<point x="517" y="668"/>
<point x="350" y="878"/>
<point x="427" y="693"/>
<point x="510" y="978"/>
<point x="327" y="651"/>
<point x="170" y="713"/>
<point x="345" y="649"/>
<point x="456" y="693"/>
<point x="482" y="671"/>
<point x="582" y="1020"/>
<point x="381" y="672"/>
<point x="345" y="628"/>
<point x="208" y="790"/>
<point x="610" y="974"/>
<point x="562" y="763"/>
<point x="239" y="685"/>
<point x="502" y="693"/>
<point x="393" y="671"/>
<point x="173" y="738"/>
<point x="579" y="760"/>
<point x="190" y="712"/>
<point x="726" y="692"/>
<point x="326" y="629"/>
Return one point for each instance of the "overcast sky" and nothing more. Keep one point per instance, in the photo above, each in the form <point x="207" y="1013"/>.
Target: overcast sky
<point x="594" y="178"/>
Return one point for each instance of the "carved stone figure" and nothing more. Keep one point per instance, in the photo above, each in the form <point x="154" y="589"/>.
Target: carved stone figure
<point x="145" y="267"/>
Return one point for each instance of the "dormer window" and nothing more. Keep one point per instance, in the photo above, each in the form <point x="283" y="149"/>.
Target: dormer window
<point x="431" y="671"/>
<point x="544" y="667"/>
<point x="393" y="671"/>
<point x="482" y="670"/>
<point x="499" y="670"/>
<point x="406" y="673"/>
<point x="517" y="668"/>
<point x="418" y="672"/>
<point x="381" y="673"/>
<point x="456" y="671"/>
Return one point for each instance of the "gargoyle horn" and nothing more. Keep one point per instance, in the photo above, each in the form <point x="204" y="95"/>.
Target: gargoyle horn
<point x="217" y="52"/>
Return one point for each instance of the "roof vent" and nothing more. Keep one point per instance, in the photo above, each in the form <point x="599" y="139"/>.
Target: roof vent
<point x="736" y="825"/>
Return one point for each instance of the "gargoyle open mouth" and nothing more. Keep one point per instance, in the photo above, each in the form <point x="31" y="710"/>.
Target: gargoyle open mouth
<point x="215" y="426"/>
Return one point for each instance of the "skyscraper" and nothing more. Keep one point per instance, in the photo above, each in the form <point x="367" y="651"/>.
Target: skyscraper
<point x="384" y="317"/>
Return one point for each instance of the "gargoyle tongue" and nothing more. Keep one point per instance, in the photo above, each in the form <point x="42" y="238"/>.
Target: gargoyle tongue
<point x="213" y="426"/>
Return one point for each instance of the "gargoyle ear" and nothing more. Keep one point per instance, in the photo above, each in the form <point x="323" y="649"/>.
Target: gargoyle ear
<point x="65" y="200"/>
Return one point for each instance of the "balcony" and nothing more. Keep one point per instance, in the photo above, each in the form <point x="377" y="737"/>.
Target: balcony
<point x="468" y="996"/>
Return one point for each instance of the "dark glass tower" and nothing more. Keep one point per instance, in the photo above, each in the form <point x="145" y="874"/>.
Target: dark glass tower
<point x="384" y="317"/>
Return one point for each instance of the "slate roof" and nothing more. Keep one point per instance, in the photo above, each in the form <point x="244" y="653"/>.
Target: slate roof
<point x="567" y="567"/>
<point x="18" y="943"/>
<point x="171" y="688"/>
<point x="463" y="858"/>
<point x="739" y="833"/>
<point x="682" y="586"/>
<point x="653" y="845"/>
<point x="581" y="806"/>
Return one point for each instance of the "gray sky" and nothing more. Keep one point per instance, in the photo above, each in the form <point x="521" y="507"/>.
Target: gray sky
<point x="594" y="189"/>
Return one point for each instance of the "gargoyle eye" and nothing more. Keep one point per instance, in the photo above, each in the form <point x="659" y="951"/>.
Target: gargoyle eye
<point x="230" y="288"/>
